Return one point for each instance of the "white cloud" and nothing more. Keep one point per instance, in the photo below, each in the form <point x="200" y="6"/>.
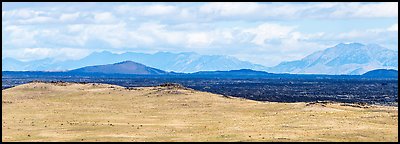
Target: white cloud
<point x="237" y="29"/>
<point x="385" y="9"/>
<point x="147" y="10"/>
<point x="104" y="17"/>
<point x="263" y="39"/>
<point x="28" y="54"/>
<point x="393" y="28"/>
<point x="230" y="9"/>
<point x="69" y="16"/>
<point x="262" y="11"/>
<point x="21" y="13"/>
<point x="385" y="36"/>
<point x="158" y="10"/>
<point x="75" y="28"/>
<point x="17" y="36"/>
<point x="37" y="20"/>
<point x="26" y="17"/>
<point x="268" y="31"/>
<point x="114" y="34"/>
<point x="198" y="39"/>
<point x="250" y="11"/>
<point x="366" y="10"/>
<point x="368" y="34"/>
<point x="245" y="11"/>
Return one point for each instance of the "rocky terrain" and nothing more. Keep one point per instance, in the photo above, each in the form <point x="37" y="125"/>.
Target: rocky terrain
<point x="60" y="111"/>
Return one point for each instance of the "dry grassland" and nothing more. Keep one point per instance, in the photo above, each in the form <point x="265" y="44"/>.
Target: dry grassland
<point x="101" y="112"/>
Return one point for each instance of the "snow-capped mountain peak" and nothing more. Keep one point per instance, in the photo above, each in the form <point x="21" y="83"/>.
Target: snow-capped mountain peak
<point x="351" y="58"/>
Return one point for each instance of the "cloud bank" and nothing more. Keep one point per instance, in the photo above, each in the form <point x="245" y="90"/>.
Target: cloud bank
<point x="263" y="33"/>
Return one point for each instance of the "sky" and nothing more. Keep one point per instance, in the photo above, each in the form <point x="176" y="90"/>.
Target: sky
<point x="261" y="33"/>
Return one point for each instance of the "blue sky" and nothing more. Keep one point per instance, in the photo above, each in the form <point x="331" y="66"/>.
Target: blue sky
<point x="262" y="33"/>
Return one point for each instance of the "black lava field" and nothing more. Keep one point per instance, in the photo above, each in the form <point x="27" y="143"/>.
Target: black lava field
<point x="371" y="91"/>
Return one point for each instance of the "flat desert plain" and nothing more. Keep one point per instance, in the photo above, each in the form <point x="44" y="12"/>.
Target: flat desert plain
<point x="101" y="112"/>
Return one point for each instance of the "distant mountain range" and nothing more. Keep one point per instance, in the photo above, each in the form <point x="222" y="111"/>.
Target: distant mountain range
<point x="130" y="67"/>
<point x="353" y="58"/>
<point x="177" y="62"/>
<point x="125" y="67"/>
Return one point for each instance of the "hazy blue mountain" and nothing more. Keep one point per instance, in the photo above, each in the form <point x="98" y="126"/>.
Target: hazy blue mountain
<point x="125" y="67"/>
<point x="16" y="65"/>
<point x="11" y="64"/>
<point x="382" y="73"/>
<point x="178" y="62"/>
<point x="353" y="58"/>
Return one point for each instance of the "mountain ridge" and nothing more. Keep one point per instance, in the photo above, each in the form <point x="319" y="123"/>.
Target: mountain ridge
<point x="352" y="58"/>
<point x="177" y="62"/>
<point x="384" y="73"/>
<point x="124" y="67"/>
